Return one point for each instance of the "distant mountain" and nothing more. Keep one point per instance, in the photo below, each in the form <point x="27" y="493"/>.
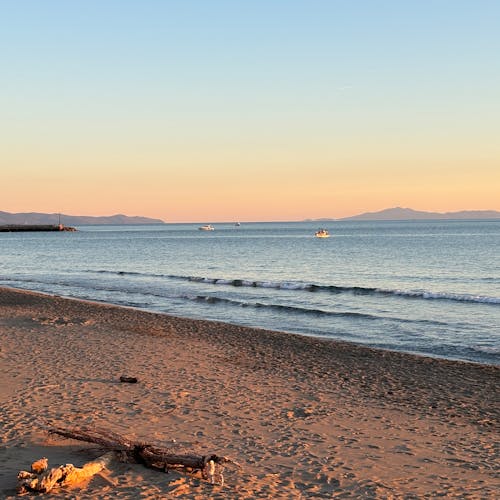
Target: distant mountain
<point x="399" y="213"/>
<point x="72" y="220"/>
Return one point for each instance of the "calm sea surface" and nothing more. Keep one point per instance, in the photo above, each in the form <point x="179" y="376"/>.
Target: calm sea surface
<point x="425" y="287"/>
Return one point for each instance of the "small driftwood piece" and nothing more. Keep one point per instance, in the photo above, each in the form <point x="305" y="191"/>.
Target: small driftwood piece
<point x="210" y="466"/>
<point x="129" y="380"/>
<point x="43" y="481"/>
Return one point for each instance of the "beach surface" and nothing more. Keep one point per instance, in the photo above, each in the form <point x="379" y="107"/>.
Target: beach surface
<point x="305" y="417"/>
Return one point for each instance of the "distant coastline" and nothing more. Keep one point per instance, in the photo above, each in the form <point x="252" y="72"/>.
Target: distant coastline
<point x="389" y="214"/>
<point x="398" y="213"/>
<point x="35" y="218"/>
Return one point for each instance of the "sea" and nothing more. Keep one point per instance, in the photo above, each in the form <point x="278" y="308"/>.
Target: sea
<point x="425" y="287"/>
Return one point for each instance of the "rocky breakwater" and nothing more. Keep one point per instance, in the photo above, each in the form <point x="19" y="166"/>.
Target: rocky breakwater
<point x="16" y="228"/>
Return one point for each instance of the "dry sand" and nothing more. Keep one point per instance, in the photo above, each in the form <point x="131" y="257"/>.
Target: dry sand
<point x="306" y="418"/>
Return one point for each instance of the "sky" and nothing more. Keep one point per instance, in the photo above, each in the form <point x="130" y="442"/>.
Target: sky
<point x="248" y="110"/>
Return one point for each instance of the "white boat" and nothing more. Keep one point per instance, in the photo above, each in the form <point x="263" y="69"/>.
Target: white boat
<point x="207" y="227"/>
<point x="322" y="233"/>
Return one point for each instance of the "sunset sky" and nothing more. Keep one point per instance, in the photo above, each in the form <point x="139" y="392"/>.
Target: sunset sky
<point x="197" y="110"/>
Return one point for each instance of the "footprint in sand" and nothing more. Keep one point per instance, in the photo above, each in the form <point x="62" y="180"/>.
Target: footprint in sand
<point x="62" y="321"/>
<point x="402" y="448"/>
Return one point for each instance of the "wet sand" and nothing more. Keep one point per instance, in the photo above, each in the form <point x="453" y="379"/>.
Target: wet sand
<point x="306" y="418"/>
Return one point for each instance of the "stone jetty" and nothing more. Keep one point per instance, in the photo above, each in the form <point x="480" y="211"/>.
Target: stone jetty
<point x="17" y="228"/>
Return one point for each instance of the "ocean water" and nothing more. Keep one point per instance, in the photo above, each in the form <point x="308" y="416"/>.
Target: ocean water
<point x="426" y="287"/>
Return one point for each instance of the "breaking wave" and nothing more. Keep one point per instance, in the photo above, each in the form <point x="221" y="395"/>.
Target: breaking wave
<point x="278" y="307"/>
<point x="312" y="287"/>
<point x="301" y="286"/>
<point x="355" y="290"/>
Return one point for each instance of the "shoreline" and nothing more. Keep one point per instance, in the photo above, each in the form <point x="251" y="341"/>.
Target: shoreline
<point x="299" y="334"/>
<point x="306" y="417"/>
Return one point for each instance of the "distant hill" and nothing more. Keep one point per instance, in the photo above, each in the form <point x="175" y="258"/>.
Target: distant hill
<point x="399" y="213"/>
<point x="72" y="220"/>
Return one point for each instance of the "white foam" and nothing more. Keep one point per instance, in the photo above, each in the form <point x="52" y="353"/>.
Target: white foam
<point x="442" y="295"/>
<point x="268" y="284"/>
<point x="487" y="349"/>
<point x="292" y="286"/>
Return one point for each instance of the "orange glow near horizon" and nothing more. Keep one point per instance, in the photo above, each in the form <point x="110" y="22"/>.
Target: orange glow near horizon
<point x="254" y="185"/>
<point x="274" y="192"/>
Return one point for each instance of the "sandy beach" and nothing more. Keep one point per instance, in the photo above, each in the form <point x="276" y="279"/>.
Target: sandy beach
<point x="305" y="417"/>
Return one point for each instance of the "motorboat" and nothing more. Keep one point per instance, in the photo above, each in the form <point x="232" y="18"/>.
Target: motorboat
<point x="206" y="227"/>
<point x="322" y="233"/>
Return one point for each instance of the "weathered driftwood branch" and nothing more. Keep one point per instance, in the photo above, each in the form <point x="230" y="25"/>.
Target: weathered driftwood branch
<point x="211" y="466"/>
<point x="43" y="481"/>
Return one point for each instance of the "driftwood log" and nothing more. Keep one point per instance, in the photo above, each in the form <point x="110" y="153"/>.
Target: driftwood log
<point x="154" y="457"/>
